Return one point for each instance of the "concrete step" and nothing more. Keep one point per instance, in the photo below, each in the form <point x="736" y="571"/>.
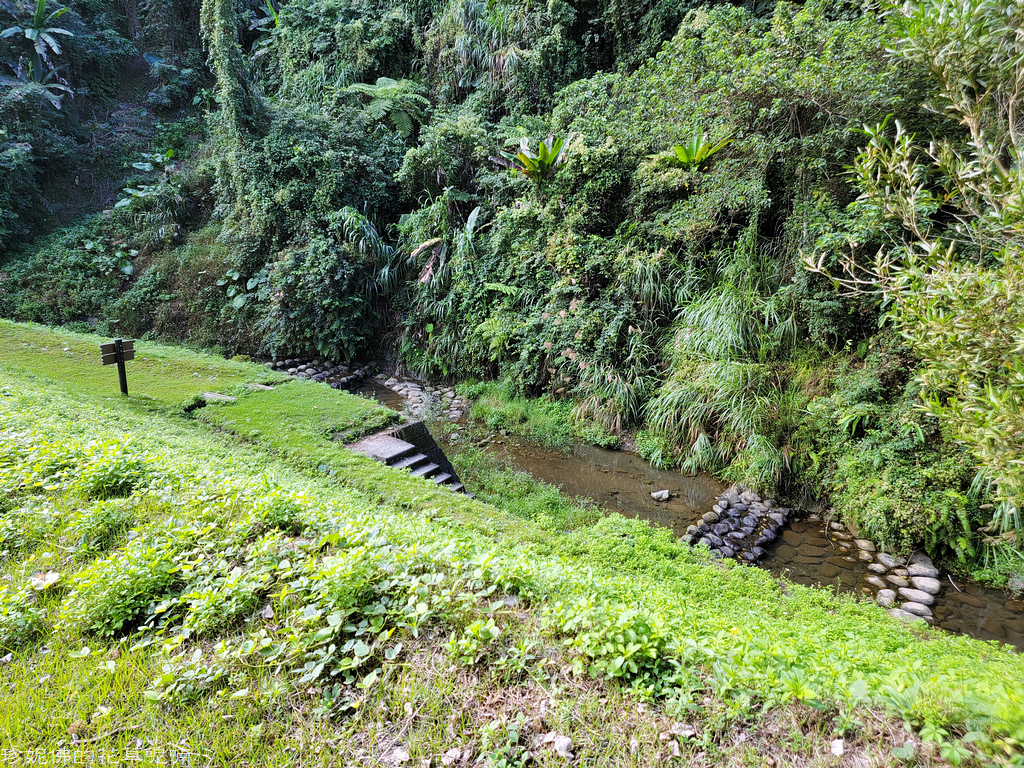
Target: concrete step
<point x="410" y="462"/>
<point x="383" y="448"/>
<point x="442" y="478"/>
<point x="426" y="470"/>
<point x="456" y="487"/>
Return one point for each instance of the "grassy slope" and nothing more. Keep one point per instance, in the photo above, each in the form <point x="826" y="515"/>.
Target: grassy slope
<point x="753" y="666"/>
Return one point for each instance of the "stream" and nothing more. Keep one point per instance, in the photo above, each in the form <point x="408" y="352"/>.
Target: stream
<point x="807" y="551"/>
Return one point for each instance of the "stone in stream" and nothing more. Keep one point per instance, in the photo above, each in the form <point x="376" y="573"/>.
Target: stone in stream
<point x="722" y="528"/>
<point x="888" y="560"/>
<point x="874" y="581"/>
<point x="736" y="536"/>
<point x="885" y="597"/>
<point x="899" y="613"/>
<point x="877" y="568"/>
<point x="865" y="556"/>
<point x="926" y="584"/>
<point x="918" y="609"/>
<point x="864" y="544"/>
<point x="757" y="552"/>
<point x="660" y="495"/>
<point x="970" y="600"/>
<point x="710" y="517"/>
<point x="916" y="596"/>
<point x="749" y="557"/>
<point x="836" y="526"/>
<point x="779" y="518"/>
<point x="691" y="530"/>
<point x="922" y="569"/>
<point x="897" y="581"/>
<point x="718" y="509"/>
<point x="713" y="540"/>
<point x="723" y="502"/>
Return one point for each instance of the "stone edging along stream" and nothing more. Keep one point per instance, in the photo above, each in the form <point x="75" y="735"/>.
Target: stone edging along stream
<point x="741" y="525"/>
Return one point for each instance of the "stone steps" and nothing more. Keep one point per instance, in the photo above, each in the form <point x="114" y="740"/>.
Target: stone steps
<point x="419" y="455"/>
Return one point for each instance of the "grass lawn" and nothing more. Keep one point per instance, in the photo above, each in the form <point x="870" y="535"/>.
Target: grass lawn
<point x="231" y="587"/>
<point x="159" y="375"/>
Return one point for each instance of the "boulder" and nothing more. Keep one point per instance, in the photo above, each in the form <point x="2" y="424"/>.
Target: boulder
<point x="660" y="495"/>
<point x="922" y="569"/>
<point x="916" y="596"/>
<point x="888" y="560"/>
<point x="899" y="613"/>
<point x="926" y="584"/>
<point x="917" y="609"/>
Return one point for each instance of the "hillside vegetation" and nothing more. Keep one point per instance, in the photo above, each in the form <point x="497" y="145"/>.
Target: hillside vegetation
<point x="213" y="590"/>
<point x="775" y="241"/>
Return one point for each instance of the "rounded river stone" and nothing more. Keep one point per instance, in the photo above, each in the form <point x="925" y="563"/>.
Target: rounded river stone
<point x="922" y="569"/>
<point x="885" y="597"/>
<point x="925" y="584"/>
<point x="918" y="609"/>
<point x="916" y="596"/>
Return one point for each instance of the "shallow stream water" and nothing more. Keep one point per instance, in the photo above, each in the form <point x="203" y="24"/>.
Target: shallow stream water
<point x="806" y="552"/>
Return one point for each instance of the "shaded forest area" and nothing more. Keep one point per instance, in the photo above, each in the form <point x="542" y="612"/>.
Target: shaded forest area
<point x="775" y="241"/>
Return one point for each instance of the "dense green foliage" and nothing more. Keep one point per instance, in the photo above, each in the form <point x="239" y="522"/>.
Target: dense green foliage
<point x="611" y="206"/>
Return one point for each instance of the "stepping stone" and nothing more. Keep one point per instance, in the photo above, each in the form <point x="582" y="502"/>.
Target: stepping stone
<point x="917" y="596"/>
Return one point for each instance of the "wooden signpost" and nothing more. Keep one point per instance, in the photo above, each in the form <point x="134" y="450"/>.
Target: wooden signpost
<point x="119" y="351"/>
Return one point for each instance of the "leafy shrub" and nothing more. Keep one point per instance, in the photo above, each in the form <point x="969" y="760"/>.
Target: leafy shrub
<point x="24" y="528"/>
<point x="21" y="619"/>
<point x="218" y="602"/>
<point x="110" y="596"/>
<point x="111" y="469"/>
<point x="97" y="527"/>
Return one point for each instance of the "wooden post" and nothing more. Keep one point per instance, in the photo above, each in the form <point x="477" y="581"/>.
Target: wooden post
<point x="121" y="373"/>
<point x="120" y="352"/>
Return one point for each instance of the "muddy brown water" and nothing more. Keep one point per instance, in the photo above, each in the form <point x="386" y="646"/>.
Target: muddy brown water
<point x="804" y="553"/>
